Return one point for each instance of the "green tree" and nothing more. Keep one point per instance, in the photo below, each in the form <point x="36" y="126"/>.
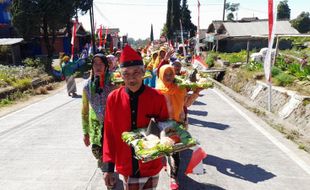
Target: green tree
<point x="186" y="19"/>
<point x="152" y="34"/>
<point x="173" y="18"/>
<point x="283" y="10"/>
<point x="167" y="25"/>
<point x="302" y="22"/>
<point x="164" y="30"/>
<point x="176" y="15"/>
<point x="230" y="16"/>
<point x="231" y="8"/>
<point x="44" y="17"/>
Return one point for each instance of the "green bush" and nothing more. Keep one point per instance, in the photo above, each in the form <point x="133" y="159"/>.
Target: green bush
<point x="29" y="62"/>
<point x="275" y="71"/>
<point x="22" y="83"/>
<point x="283" y="79"/>
<point x="299" y="72"/>
<point x="254" y="66"/>
<point x="281" y="63"/>
<point x="5" y="102"/>
<point x="234" y="57"/>
<point x="211" y="57"/>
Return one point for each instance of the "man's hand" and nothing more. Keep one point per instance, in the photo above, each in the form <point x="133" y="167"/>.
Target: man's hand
<point x="109" y="179"/>
<point x="86" y="140"/>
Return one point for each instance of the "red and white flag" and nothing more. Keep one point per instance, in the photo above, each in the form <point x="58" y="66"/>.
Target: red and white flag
<point x="271" y="34"/>
<point x="73" y="39"/>
<point x="197" y="156"/>
<point x="100" y="36"/>
<point x="106" y="35"/>
<point x="270" y="18"/>
<point x="198" y="63"/>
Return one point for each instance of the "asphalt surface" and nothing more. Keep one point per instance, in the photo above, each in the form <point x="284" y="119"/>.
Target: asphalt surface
<point x="41" y="147"/>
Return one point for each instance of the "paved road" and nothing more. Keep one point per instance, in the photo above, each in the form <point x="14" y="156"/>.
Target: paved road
<point x="41" y="148"/>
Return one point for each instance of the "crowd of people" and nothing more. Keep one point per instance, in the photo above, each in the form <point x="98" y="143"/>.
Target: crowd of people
<point x="109" y="110"/>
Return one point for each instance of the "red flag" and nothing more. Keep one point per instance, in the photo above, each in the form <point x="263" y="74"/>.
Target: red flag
<point x="170" y="44"/>
<point x="100" y="36"/>
<point x="198" y="63"/>
<point x="270" y="17"/>
<point x="106" y="35"/>
<point x="73" y="39"/>
<point x="197" y="156"/>
<point x="272" y="27"/>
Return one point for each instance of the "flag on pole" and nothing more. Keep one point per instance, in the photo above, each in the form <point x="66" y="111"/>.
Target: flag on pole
<point x="73" y="39"/>
<point x="100" y="36"/>
<point x="270" y="18"/>
<point x="198" y="30"/>
<point x="271" y="34"/>
<point x="198" y="63"/>
<point x="106" y="35"/>
<point x="197" y="156"/>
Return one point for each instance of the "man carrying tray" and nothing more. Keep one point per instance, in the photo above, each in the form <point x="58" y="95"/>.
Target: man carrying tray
<point x="128" y="108"/>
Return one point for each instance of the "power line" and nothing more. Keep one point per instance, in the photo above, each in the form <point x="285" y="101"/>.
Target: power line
<point x="102" y="15"/>
<point x="254" y="10"/>
<point x="164" y="5"/>
<point x="151" y="5"/>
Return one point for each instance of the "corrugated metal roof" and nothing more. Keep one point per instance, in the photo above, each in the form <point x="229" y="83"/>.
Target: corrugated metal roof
<point x="10" y="41"/>
<point x="257" y="28"/>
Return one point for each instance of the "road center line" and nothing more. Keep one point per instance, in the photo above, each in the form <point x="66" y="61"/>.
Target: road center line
<point x="276" y="142"/>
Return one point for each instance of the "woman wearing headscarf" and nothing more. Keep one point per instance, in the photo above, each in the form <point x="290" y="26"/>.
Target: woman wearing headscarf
<point x="67" y="69"/>
<point x="161" y="55"/>
<point x="151" y="81"/>
<point x="95" y="93"/>
<point x="176" y="99"/>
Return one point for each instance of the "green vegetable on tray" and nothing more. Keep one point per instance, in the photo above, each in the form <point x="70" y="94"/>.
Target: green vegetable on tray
<point x="173" y="138"/>
<point x="201" y="83"/>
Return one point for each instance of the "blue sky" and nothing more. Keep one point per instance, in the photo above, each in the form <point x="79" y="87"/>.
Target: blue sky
<point x="136" y="16"/>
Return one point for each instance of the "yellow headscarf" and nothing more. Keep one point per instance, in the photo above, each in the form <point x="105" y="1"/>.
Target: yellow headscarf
<point x="152" y="62"/>
<point x="158" y="59"/>
<point x="175" y="96"/>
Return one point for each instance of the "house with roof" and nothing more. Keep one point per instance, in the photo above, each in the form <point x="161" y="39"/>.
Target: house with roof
<point x="113" y="39"/>
<point x="233" y="36"/>
<point x="63" y="40"/>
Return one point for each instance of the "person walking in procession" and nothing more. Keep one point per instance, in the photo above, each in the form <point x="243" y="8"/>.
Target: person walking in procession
<point x="135" y="103"/>
<point x="67" y="69"/>
<point x="176" y="98"/>
<point x="95" y="93"/>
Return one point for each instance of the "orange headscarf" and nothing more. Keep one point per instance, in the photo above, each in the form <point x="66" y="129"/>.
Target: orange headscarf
<point x="175" y="96"/>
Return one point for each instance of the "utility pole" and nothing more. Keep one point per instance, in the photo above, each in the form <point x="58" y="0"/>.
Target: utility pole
<point x="224" y="10"/>
<point x="92" y="30"/>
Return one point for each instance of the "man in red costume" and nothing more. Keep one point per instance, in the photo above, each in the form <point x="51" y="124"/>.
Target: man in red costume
<point x="128" y="108"/>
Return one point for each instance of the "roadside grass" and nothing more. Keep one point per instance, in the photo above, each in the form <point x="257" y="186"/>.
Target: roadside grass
<point x="305" y="102"/>
<point x="293" y="135"/>
<point x="15" y="97"/>
<point x="22" y="83"/>
<point x="234" y="57"/>
<point x="25" y="95"/>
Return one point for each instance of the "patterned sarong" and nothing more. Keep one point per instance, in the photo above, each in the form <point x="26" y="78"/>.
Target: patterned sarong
<point x="142" y="183"/>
